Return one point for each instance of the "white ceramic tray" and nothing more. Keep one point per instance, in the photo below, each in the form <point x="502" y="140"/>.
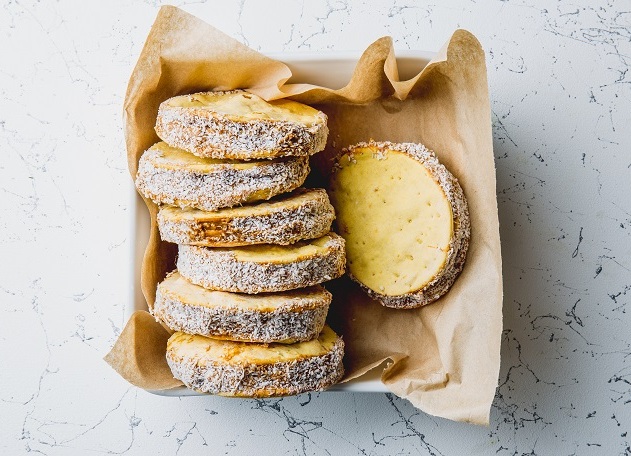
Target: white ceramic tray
<point x="331" y="69"/>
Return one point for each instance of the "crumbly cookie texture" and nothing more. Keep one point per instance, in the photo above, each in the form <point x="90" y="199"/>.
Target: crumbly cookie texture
<point x="240" y="125"/>
<point x="286" y="317"/>
<point x="302" y="214"/>
<point x="256" y="370"/>
<point x="171" y="176"/>
<point x="459" y="241"/>
<point x="264" y="268"/>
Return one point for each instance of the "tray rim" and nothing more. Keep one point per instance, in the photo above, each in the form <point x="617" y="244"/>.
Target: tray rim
<point x="140" y="222"/>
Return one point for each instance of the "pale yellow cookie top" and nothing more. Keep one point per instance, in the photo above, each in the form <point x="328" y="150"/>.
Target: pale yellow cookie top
<point x="245" y="106"/>
<point x="176" y="287"/>
<point x="395" y="218"/>
<point x="177" y="159"/>
<point x="207" y="351"/>
<point x="301" y="250"/>
<point x="285" y="201"/>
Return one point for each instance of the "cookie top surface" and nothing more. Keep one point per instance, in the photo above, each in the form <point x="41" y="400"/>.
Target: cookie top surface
<point x="241" y="106"/>
<point x="294" y="199"/>
<point x="394" y="213"/>
<point x="210" y="351"/>
<point x="164" y="156"/>
<point x="301" y="250"/>
<point x="176" y="287"/>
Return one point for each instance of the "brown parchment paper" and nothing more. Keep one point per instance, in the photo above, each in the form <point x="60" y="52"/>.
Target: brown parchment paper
<point x="444" y="358"/>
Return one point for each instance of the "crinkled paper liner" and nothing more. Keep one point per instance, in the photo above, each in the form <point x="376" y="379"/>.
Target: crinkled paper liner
<point x="443" y="358"/>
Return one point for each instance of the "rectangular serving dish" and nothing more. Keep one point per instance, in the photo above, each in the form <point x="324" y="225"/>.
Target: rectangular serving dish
<point x="330" y="69"/>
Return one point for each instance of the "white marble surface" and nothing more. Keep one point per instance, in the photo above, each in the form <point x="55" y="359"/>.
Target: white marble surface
<point x="561" y="100"/>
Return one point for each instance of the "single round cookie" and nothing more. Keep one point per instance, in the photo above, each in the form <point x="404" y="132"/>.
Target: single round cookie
<point x="246" y="369"/>
<point x="167" y="175"/>
<point x="288" y="218"/>
<point x="240" y="125"/>
<point x="405" y="221"/>
<point x="263" y="268"/>
<point x="285" y="317"/>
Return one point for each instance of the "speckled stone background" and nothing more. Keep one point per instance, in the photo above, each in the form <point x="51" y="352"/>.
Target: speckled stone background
<point x="561" y="102"/>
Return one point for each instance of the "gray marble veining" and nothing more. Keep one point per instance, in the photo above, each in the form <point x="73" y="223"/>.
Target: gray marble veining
<point x="561" y="102"/>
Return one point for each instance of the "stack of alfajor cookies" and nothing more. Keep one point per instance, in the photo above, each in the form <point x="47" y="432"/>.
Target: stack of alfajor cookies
<point x="253" y="246"/>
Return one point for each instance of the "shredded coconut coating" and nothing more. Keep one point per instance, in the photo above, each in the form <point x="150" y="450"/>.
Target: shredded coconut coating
<point x="314" y="373"/>
<point x="281" y="225"/>
<point x="299" y="318"/>
<point x="207" y="133"/>
<point x="459" y="242"/>
<point x="225" y="186"/>
<point x="219" y="269"/>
